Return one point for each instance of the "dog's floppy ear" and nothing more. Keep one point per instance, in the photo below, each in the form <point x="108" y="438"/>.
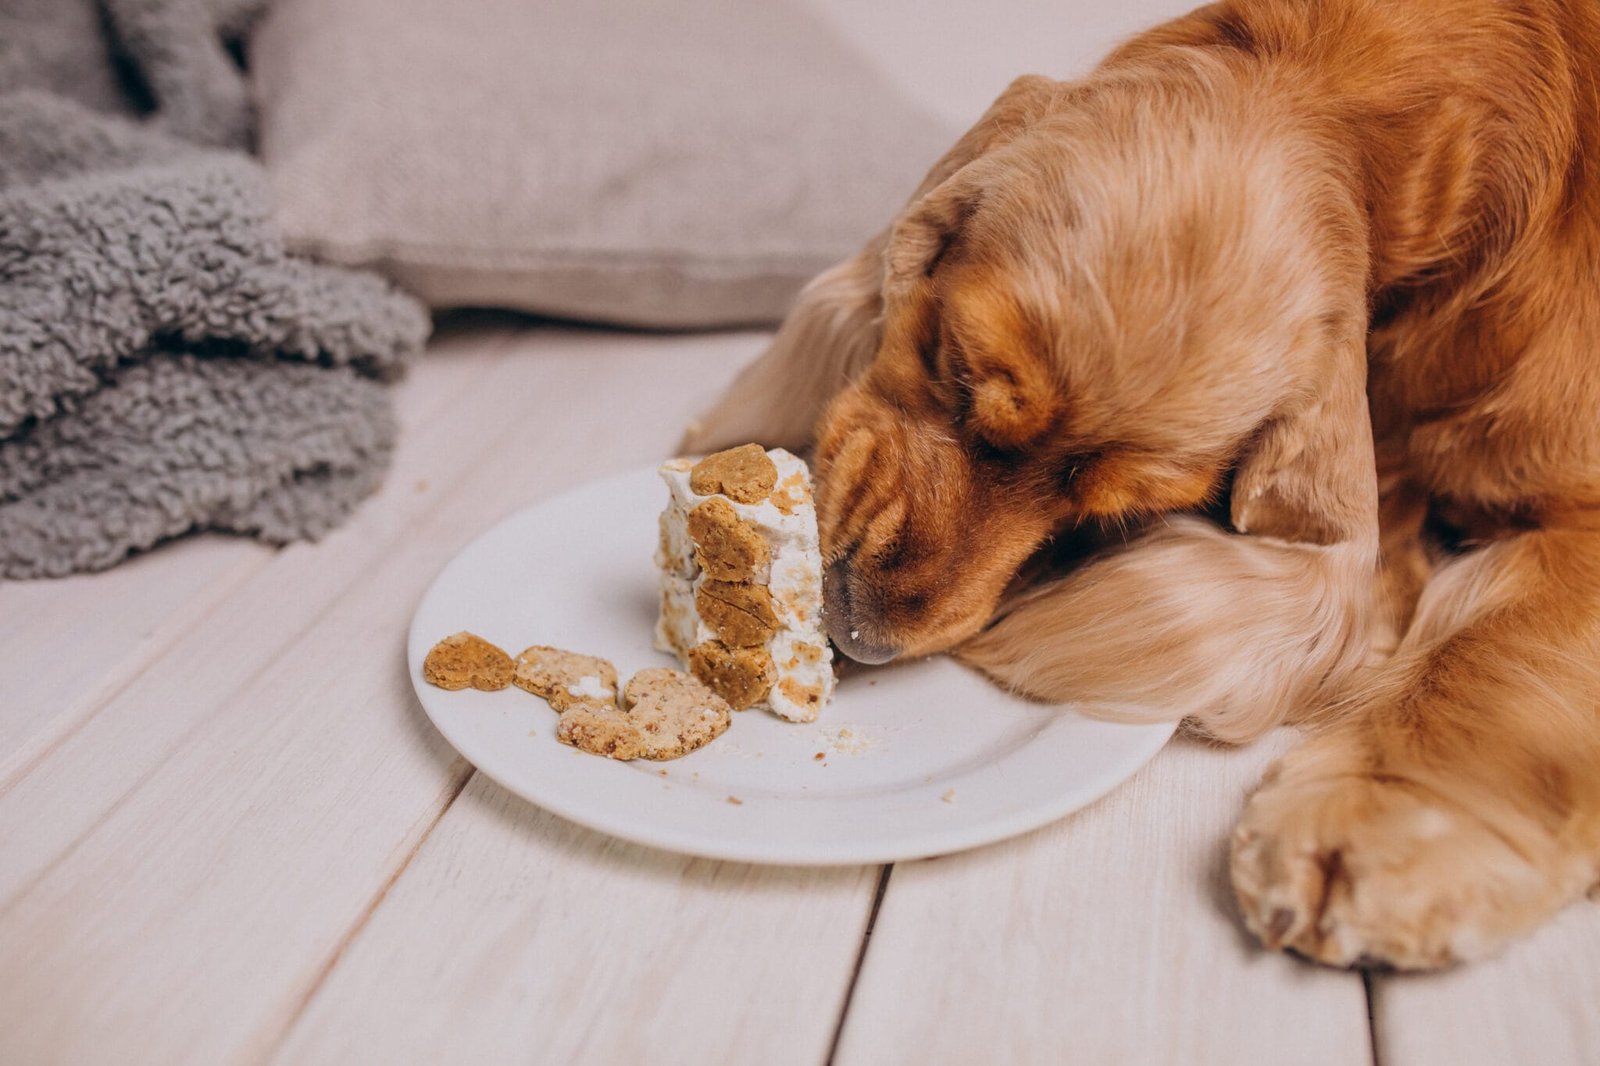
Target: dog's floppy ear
<point x="1310" y="474"/>
<point x="836" y="326"/>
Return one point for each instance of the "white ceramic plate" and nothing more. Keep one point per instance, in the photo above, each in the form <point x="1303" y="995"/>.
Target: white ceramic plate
<point x="917" y="759"/>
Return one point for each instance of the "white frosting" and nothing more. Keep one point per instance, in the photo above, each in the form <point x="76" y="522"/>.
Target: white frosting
<point x="679" y="626"/>
<point x="794" y="578"/>
<point x="591" y="686"/>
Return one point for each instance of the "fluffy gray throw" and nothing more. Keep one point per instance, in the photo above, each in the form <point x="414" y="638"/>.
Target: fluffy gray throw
<point x="164" y="365"/>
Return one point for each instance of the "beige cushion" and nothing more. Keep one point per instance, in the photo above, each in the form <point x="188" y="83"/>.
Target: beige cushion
<point x="672" y="165"/>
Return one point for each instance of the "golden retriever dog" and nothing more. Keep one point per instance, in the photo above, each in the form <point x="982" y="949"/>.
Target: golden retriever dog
<point x="1256" y="378"/>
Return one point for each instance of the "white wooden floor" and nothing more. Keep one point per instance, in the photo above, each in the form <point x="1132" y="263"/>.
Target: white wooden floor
<point x="228" y="835"/>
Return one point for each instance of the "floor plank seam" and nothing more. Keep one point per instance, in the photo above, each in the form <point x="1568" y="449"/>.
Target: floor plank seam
<point x="861" y="958"/>
<point x="452" y="793"/>
<point x="1369" y="985"/>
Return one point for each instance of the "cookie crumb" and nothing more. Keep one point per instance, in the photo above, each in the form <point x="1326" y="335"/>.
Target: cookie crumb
<point x="819" y="756"/>
<point x="848" y="741"/>
<point x="949" y="796"/>
<point x="736" y="801"/>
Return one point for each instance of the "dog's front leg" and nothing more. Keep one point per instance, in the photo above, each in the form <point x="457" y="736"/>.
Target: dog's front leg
<point x="1456" y="802"/>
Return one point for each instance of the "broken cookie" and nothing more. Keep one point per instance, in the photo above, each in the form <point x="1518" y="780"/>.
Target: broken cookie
<point x="565" y="678"/>
<point x="600" y="730"/>
<point x="466" y="660"/>
<point x="665" y="715"/>
<point x="674" y="713"/>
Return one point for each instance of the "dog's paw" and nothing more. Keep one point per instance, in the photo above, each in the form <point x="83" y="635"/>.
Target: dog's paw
<point x="1360" y="870"/>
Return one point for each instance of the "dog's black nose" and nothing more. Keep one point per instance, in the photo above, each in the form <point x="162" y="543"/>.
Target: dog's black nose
<point x="847" y="619"/>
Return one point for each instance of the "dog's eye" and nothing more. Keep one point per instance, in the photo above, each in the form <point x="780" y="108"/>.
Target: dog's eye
<point x="930" y="351"/>
<point x="946" y="371"/>
<point x="986" y="452"/>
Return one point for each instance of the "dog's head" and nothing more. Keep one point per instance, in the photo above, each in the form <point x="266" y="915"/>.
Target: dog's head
<point x="1096" y="319"/>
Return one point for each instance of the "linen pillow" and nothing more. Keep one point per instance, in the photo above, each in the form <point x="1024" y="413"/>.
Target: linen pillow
<point x="678" y="165"/>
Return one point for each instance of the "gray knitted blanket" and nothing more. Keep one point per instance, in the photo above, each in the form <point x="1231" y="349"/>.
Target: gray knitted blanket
<point x="164" y="365"/>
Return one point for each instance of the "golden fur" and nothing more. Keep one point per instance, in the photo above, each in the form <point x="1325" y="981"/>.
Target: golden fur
<point x="1255" y="377"/>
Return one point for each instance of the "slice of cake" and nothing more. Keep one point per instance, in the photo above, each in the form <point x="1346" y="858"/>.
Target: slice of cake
<point x="741" y="580"/>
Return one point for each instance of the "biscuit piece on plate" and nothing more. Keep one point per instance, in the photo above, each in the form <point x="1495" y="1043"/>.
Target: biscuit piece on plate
<point x="466" y="660"/>
<point x="665" y="715"/>
<point x="674" y="713"/>
<point x="741" y="580"/>
<point x="600" y="730"/>
<point x="565" y="678"/>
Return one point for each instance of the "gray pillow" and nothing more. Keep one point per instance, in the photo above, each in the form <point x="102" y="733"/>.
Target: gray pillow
<point x="641" y="163"/>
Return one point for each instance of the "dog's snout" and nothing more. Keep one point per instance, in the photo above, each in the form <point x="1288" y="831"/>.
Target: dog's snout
<point x="850" y="622"/>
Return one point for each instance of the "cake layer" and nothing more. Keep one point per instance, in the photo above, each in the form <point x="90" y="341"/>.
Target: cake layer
<point x="741" y="586"/>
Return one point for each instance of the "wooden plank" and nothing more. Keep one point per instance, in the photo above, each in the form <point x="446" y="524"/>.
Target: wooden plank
<point x="47" y="807"/>
<point x="1110" y="937"/>
<point x="72" y="641"/>
<point x="1539" y="1002"/>
<point x="218" y="829"/>
<point x="515" y="936"/>
<point x="78" y="640"/>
